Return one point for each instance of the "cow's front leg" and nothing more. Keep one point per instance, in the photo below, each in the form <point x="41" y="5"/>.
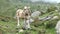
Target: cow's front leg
<point x="28" y="24"/>
<point x="18" y="21"/>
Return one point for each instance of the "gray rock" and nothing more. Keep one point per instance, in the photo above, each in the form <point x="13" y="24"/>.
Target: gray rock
<point x="58" y="27"/>
<point x="45" y="18"/>
<point x="41" y="18"/>
<point x="35" y="14"/>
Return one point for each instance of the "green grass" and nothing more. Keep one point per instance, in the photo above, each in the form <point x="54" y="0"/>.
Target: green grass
<point x="11" y="29"/>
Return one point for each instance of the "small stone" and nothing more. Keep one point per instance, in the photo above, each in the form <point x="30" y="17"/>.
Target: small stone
<point x="55" y="17"/>
<point x="21" y="30"/>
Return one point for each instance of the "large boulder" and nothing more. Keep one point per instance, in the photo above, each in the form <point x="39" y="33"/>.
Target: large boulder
<point x="35" y="14"/>
<point x="58" y="27"/>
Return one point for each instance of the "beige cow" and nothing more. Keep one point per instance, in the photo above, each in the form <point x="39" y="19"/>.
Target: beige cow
<point x="25" y="13"/>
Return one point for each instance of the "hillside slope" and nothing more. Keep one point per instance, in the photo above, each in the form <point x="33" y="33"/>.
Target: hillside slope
<point x="8" y="9"/>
